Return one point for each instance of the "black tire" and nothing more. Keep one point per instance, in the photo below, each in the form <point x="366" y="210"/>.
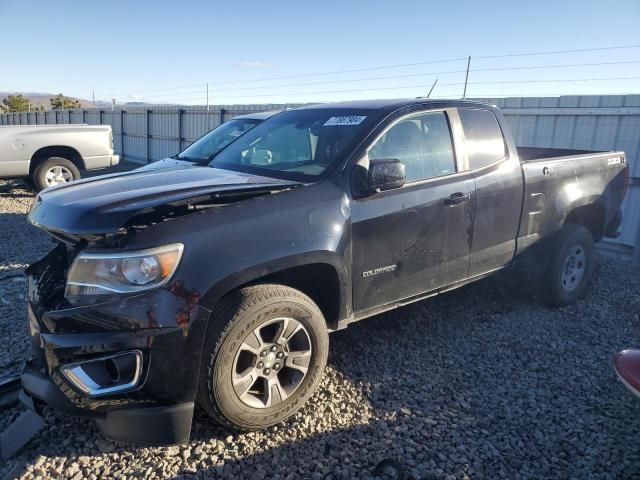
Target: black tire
<point x="559" y="286"/>
<point x="40" y="173"/>
<point x="233" y="320"/>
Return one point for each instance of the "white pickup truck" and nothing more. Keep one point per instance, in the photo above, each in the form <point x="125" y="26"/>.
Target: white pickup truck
<point x="54" y="154"/>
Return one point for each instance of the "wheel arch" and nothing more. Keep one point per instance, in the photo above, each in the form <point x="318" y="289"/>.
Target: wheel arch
<point x="319" y="275"/>
<point x="590" y="214"/>
<point x="63" y="151"/>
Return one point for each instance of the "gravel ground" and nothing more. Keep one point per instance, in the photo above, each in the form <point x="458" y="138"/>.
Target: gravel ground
<point x="479" y="383"/>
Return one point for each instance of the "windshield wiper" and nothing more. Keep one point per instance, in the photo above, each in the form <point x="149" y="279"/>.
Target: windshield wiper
<point x="190" y="159"/>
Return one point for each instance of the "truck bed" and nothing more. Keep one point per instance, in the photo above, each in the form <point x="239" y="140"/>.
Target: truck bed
<point x="559" y="181"/>
<point x="537" y="154"/>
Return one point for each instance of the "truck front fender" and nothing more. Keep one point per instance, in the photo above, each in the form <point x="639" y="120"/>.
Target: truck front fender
<point x="293" y="271"/>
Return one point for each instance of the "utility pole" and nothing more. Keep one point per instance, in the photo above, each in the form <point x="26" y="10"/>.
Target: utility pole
<point x="113" y="103"/>
<point x="29" y="106"/>
<point x="93" y="98"/>
<point x="432" y="87"/>
<point x="466" y="78"/>
<point x="207" y="96"/>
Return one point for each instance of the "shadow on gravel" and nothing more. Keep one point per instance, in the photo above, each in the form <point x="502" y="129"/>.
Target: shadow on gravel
<point x="388" y="387"/>
<point x="420" y="391"/>
<point x="15" y="191"/>
<point x="481" y="382"/>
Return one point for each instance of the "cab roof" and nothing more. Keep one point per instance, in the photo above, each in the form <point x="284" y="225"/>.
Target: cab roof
<point x="259" y="115"/>
<point x="394" y="104"/>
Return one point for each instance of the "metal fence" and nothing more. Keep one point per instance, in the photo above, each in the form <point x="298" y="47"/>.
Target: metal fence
<point x="607" y="122"/>
<point x="143" y="135"/>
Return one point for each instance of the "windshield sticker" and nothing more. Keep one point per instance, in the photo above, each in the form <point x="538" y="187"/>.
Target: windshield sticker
<point x="235" y="133"/>
<point x="351" y="120"/>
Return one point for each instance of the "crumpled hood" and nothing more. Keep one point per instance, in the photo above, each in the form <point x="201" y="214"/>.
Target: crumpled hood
<point x="103" y="204"/>
<point x="167" y="163"/>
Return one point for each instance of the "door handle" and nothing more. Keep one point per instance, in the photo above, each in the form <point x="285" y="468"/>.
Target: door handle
<point x="457" y="198"/>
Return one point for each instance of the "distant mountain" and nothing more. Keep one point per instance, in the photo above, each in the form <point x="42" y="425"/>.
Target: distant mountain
<point x="37" y="99"/>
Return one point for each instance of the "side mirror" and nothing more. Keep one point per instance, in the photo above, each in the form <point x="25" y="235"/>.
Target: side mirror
<point x="386" y="174"/>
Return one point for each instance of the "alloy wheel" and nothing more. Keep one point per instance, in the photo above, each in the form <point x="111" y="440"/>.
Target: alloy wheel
<point x="57" y="175"/>
<point x="574" y="268"/>
<point x="271" y="362"/>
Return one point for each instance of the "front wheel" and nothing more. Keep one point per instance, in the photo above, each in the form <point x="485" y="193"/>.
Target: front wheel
<point x="264" y="356"/>
<point x="571" y="266"/>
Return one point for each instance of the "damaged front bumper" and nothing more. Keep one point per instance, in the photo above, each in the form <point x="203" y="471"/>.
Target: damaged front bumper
<point x="147" y="425"/>
<point x="131" y="364"/>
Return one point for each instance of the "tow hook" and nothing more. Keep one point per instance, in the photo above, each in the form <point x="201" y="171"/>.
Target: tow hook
<point x="28" y="423"/>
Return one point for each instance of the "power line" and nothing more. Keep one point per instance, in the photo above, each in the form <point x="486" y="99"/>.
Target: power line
<point x="336" y="72"/>
<point x="546" y="81"/>
<point x="477" y="96"/>
<point x="554" y="66"/>
<point x="388" y="77"/>
<point x="162" y="89"/>
<point x="553" y="52"/>
<point x="301" y="76"/>
<point x="402" y="87"/>
<point x="401" y="65"/>
<point x="480" y="96"/>
<point x="501" y="82"/>
<point x="418" y="86"/>
<point x="323" y="83"/>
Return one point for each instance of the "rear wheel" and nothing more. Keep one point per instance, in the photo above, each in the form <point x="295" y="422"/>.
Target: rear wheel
<point x="571" y="266"/>
<point x="54" y="171"/>
<point x="264" y="356"/>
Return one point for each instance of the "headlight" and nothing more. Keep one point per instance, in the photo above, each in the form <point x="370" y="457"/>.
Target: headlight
<point x="94" y="275"/>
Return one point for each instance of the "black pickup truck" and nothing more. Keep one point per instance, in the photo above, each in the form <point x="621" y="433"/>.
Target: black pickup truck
<point x="219" y="284"/>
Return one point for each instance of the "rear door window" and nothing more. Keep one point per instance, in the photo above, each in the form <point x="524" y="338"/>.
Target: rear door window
<point x="483" y="137"/>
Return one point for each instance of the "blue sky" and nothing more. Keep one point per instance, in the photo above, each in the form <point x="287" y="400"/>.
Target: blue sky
<point x="167" y="51"/>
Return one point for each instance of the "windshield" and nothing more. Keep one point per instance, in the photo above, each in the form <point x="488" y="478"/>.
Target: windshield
<point x="205" y="148"/>
<point x="296" y="145"/>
